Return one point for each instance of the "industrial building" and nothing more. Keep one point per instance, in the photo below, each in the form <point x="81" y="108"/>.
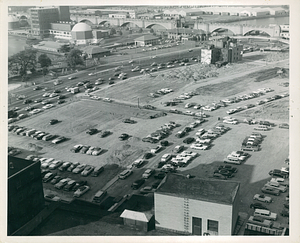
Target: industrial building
<point x="196" y="206"/>
<point x="185" y="34"/>
<point x="82" y="34"/>
<point x="61" y="30"/>
<point x="146" y="40"/>
<point x="95" y="51"/>
<point x="25" y="192"/>
<point x="42" y="17"/>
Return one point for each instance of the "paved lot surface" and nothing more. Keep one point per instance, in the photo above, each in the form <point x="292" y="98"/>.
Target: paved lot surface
<point x="81" y="114"/>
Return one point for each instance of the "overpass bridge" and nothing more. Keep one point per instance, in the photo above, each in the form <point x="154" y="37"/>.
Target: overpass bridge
<point x="237" y="29"/>
<point x="142" y="23"/>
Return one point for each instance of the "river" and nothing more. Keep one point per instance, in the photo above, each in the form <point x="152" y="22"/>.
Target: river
<point x="265" y="21"/>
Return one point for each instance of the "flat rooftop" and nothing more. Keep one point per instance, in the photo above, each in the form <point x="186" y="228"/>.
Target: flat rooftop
<point x="17" y="164"/>
<point x="218" y="191"/>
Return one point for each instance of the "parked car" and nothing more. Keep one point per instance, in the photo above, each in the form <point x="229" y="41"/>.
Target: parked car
<point x="123" y="136"/>
<point x="81" y="190"/>
<point x="48" y="177"/>
<point x="278" y="173"/>
<point x="55" y="164"/>
<point x="124" y="174"/>
<point x="69" y="185"/>
<point x="146" y="190"/>
<point x="271" y="191"/>
<point x="64" y="166"/>
<point x="72" y="166"/>
<point x="189" y="140"/>
<point x="87" y="170"/>
<point x="92" y="131"/>
<point x="79" y="184"/>
<point x="137" y="184"/>
<point x="258" y="206"/>
<point x="59" y="140"/>
<point x="156" y="149"/>
<point x="257" y="220"/>
<point x="55" y="180"/>
<point x="265" y="214"/>
<point x="262" y="198"/>
<point x="148" y="173"/>
<point x="62" y="183"/>
<point x="97" y="171"/>
<point x="79" y="168"/>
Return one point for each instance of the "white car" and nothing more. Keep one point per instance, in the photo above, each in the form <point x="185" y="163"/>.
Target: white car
<point x="92" y="74"/>
<point x="156" y="149"/>
<point x="55" y="164"/>
<point x="81" y="190"/>
<point x="48" y="106"/>
<point x="199" y="146"/>
<point x="200" y="132"/>
<point x="72" y="77"/>
<point x="166" y="157"/>
<point x="203" y="140"/>
<point x="53" y="95"/>
<point x="107" y="99"/>
<point x="187" y="153"/>
<point x="181" y="160"/>
<point x="262" y="198"/>
<point x="46" y="94"/>
<point x="35" y="111"/>
<point x="230" y="122"/>
<point x="147" y="173"/>
<point x="138" y="162"/>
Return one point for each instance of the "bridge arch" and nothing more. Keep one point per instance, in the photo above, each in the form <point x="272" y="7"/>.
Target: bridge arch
<point x="129" y="22"/>
<point x="222" y="28"/>
<point x="250" y="30"/>
<point x="151" y="25"/>
<point x="86" y="21"/>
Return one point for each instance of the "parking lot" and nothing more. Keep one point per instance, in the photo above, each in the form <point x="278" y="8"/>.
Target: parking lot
<point x="76" y="117"/>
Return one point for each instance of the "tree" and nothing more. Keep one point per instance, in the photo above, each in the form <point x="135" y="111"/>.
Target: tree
<point x="44" y="60"/>
<point x="112" y="31"/>
<point x="151" y="30"/>
<point x="120" y="32"/>
<point x="74" y="58"/>
<point x="22" y="62"/>
<point x="65" y="48"/>
<point x="140" y="30"/>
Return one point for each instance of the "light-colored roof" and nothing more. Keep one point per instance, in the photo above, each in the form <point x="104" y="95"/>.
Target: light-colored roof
<point x="12" y="18"/>
<point x="144" y="217"/>
<point x="81" y="27"/>
<point x="146" y="38"/>
<point x="94" y="49"/>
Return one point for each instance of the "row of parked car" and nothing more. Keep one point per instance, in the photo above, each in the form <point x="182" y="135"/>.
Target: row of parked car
<point x="224" y="172"/>
<point x="86" y="149"/>
<point x="38" y="135"/>
<point x="161" y="133"/>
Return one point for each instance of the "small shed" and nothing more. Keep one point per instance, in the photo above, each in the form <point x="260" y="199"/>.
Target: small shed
<point x="95" y="51"/>
<point x="146" y="40"/>
<point x="138" y="220"/>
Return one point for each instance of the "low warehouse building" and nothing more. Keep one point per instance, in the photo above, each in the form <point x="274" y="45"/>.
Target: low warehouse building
<point x="138" y="220"/>
<point x="146" y="40"/>
<point x="197" y="206"/>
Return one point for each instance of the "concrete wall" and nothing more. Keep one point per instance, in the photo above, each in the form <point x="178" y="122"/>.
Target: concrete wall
<point x="171" y="213"/>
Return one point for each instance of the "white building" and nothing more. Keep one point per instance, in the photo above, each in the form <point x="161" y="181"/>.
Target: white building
<point x="196" y="206"/>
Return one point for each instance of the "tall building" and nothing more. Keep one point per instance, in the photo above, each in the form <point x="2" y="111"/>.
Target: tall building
<point x="41" y="18"/>
<point x="196" y="206"/>
<point x="25" y="192"/>
<point x="64" y="13"/>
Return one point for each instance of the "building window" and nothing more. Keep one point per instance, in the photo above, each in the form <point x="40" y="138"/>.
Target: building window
<point x="212" y="225"/>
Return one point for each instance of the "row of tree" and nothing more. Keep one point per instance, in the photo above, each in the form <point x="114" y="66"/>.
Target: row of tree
<point x="27" y="60"/>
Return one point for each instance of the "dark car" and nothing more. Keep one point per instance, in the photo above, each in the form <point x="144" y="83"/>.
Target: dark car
<point x="104" y="133"/>
<point x="79" y="184"/>
<point x="123" y="136"/>
<point x="258" y="206"/>
<point x="225" y="172"/>
<point x="164" y="143"/>
<point x="228" y="167"/>
<point x="160" y="175"/>
<point x="270" y="190"/>
<point x="97" y="171"/>
<point x="92" y="131"/>
<point x="55" y="180"/>
<point x="189" y="140"/>
<point x="61" y="101"/>
<point x="187" y="129"/>
<point x="136" y="184"/>
<point x="84" y="149"/>
<point x="267" y="123"/>
<point x="147" y="155"/>
<point x="127" y="120"/>
<point x="53" y="121"/>
<point x="278" y="173"/>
